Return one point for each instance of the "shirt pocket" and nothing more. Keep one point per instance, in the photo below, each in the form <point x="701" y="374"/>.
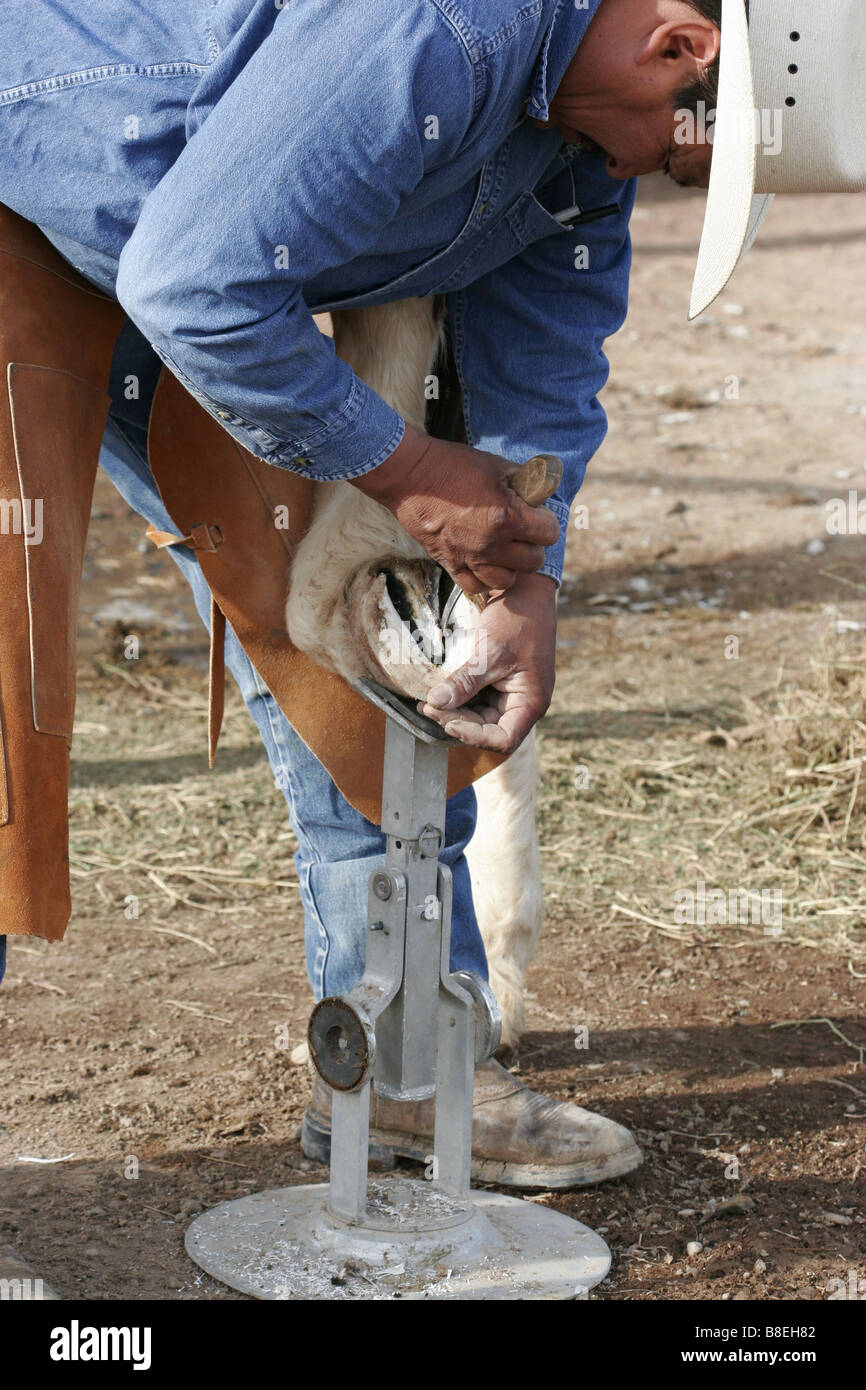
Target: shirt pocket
<point x="510" y="231"/>
<point x="434" y="273"/>
<point x="530" y="220"/>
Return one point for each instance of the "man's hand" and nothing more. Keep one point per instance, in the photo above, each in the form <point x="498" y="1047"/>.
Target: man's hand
<point x="456" y="502"/>
<point x="513" y="664"/>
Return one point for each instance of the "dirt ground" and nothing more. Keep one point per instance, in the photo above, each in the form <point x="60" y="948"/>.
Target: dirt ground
<point x="707" y="728"/>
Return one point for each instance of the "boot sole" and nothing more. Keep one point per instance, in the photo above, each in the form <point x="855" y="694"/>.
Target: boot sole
<point x="386" y="1148"/>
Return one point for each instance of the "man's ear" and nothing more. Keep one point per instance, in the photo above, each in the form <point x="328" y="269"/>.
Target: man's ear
<point x="686" y="44"/>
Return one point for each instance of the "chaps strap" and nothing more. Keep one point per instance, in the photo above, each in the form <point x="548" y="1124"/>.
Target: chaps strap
<point x="207" y="538"/>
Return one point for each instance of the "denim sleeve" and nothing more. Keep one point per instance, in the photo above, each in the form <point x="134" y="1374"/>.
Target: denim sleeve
<point x="529" y="344"/>
<point x="301" y="162"/>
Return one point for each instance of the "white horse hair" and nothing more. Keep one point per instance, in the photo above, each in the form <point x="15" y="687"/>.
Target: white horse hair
<point x="364" y="600"/>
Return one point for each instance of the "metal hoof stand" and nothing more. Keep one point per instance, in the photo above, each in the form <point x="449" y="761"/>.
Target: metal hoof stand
<point x="411" y="1029"/>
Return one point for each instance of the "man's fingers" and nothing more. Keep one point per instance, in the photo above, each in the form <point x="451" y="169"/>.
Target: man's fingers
<point x="457" y="688"/>
<point x="484" y="579"/>
<point x="489" y="723"/>
<point x="517" y="556"/>
<point x="471" y="583"/>
<point x="470" y="714"/>
<point x="500" y="735"/>
<point x="511" y="559"/>
<point x="536" y="525"/>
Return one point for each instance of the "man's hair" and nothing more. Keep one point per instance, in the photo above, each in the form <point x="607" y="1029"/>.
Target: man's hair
<point x="706" y="87"/>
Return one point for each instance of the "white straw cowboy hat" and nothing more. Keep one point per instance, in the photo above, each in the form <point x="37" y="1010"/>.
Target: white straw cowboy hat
<point x="797" y="67"/>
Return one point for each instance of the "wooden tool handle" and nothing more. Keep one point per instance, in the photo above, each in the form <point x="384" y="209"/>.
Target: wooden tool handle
<point x="537" y="479"/>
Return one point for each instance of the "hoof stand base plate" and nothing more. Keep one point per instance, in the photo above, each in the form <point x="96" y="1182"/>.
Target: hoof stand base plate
<point x="415" y="1243"/>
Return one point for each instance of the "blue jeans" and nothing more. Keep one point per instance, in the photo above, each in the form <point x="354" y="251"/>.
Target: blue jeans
<point x="337" y="847"/>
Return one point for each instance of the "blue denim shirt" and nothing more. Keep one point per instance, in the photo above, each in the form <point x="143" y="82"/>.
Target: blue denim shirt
<point x="229" y="168"/>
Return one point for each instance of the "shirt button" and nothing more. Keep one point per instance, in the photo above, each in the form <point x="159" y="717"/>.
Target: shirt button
<point x="224" y="415"/>
<point x="301" y="461"/>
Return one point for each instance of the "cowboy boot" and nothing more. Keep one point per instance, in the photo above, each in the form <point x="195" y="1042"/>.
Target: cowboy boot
<point x="519" y="1138"/>
<point x="57" y="336"/>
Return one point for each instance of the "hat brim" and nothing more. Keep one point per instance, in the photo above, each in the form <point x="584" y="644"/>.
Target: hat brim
<point x="734" y="214"/>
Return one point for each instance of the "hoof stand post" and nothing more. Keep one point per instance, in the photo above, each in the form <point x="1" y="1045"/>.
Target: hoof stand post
<point x="412" y="1029"/>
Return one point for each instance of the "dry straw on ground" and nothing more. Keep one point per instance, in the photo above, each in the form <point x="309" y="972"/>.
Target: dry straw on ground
<point x="769" y="798"/>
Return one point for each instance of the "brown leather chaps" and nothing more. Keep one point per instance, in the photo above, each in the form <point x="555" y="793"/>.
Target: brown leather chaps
<point x="242" y="517"/>
<point x="56" y="340"/>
